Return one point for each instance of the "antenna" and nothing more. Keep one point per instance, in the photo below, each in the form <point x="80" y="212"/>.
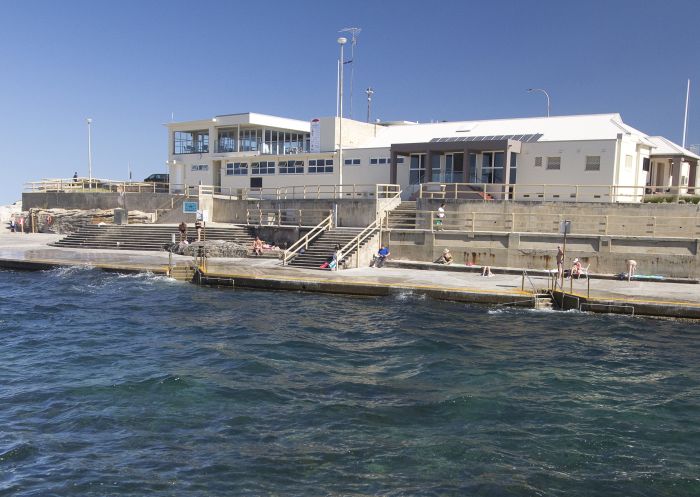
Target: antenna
<point x="369" y="91"/>
<point x="353" y="41"/>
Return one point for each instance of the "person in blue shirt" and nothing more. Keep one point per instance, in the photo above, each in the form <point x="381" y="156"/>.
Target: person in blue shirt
<point x="382" y="256"/>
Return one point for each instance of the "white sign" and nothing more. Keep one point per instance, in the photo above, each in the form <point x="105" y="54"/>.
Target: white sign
<point x="315" y="145"/>
<point x="565" y="227"/>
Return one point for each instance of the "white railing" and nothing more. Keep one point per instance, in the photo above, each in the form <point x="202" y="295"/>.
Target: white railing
<point x="285" y="217"/>
<point x="558" y="192"/>
<point x="357" y="242"/>
<point x="303" y="242"/>
<point x="531" y="222"/>
<point x="95" y="185"/>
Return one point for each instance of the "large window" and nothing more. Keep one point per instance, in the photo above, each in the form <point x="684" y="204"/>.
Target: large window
<point x="237" y="169"/>
<point x="291" y="167"/>
<point x="416" y="173"/>
<point x="250" y="140"/>
<point x="191" y="142"/>
<point x="200" y="167"/>
<point x="352" y="162"/>
<point x="227" y="140"/>
<point x="264" y="167"/>
<point x="283" y="142"/>
<point x="492" y="166"/>
<point x="321" y="166"/>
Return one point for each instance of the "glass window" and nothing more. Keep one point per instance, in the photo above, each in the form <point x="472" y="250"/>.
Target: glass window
<point x="291" y="167"/>
<point x="200" y="167"/>
<point x="321" y="166"/>
<point x="416" y="173"/>
<point x="264" y="167"/>
<point x="492" y="167"/>
<point x="191" y="142"/>
<point x="227" y="140"/>
<point x="593" y="163"/>
<point x="553" y="162"/>
<point x="352" y="162"/>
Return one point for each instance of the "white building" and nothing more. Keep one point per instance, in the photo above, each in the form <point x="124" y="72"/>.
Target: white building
<point x="598" y="156"/>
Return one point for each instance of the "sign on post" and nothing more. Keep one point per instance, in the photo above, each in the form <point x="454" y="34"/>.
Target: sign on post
<point x="565" y="227"/>
<point x="190" y="207"/>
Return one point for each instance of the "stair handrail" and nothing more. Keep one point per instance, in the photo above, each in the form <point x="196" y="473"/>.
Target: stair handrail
<point x="303" y="242"/>
<point x="357" y="241"/>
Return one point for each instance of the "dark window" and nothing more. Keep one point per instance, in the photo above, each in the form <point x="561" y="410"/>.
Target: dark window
<point x="256" y="182"/>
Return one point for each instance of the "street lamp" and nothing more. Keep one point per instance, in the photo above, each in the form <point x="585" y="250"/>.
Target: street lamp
<point x="89" y="127"/>
<point x="530" y="90"/>
<point x="369" y="92"/>
<point x="341" y="41"/>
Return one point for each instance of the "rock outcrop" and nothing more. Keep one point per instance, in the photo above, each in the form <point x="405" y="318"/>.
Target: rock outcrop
<point x="65" y="221"/>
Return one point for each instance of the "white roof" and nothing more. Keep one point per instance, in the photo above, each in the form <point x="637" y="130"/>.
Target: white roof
<point x="245" y="118"/>
<point x="556" y="128"/>
<point x="664" y="146"/>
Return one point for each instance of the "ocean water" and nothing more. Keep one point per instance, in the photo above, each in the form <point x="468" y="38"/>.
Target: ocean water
<point x="137" y="385"/>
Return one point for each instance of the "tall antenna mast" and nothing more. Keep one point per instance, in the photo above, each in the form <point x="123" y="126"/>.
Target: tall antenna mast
<point x="353" y="41"/>
<point x="685" y="120"/>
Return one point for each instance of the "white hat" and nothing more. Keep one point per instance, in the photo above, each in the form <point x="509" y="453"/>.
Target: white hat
<point x="445" y="251"/>
<point x="576" y="260"/>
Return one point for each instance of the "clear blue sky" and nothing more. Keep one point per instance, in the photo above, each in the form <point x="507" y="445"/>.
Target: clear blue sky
<point x="129" y="64"/>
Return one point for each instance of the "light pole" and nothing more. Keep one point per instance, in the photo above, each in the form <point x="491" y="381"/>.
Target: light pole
<point x="530" y="90"/>
<point x="369" y="92"/>
<point x="89" y="127"/>
<point x="341" y="41"/>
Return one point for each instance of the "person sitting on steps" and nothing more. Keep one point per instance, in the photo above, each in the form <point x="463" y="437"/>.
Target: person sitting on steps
<point x="257" y="246"/>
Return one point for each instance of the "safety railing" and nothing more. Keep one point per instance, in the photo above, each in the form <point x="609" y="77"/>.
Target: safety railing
<point x="96" y="185"/>
<point x="314" y="192"/>
<point x="303" y="242"/>
<point x="357" y="242"/>
<point x="532" y="222"/>
<point x="285" y="217"/>
<point x="559" y="192"/>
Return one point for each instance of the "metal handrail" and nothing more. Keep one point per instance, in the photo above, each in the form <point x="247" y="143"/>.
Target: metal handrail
<point x="369" y="230"/>
<point x="561" y="192"/>
<point x="357" y="242"/>
<point x="292" y="251"/>
<point x="255" y="217"/>
<point x="519" y="222"/>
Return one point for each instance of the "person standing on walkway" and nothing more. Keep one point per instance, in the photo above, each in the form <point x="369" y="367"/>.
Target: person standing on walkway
<point x="183" y="230"/>
<point x="199" y="226"/>
<point x="440" y="216"/>
<point x="75" y="176"/>
<point x="560" y="262"/>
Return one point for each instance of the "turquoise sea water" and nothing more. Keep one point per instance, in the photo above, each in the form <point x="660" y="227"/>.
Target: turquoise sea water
<point x="136" y="385"/>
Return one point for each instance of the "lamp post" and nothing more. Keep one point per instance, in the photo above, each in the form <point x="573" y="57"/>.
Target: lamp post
<point x="530" y="90"/>
<point x="89" y="127"/>
<point x="369" y="92"/>
<point x="341" y="41"/>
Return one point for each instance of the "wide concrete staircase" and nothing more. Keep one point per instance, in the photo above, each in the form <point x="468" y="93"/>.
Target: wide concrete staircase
<point x="404" y="216"/>
<point x="182" y="272"/>
<point x="147" y="236"/>
<point x="323" y="247"/>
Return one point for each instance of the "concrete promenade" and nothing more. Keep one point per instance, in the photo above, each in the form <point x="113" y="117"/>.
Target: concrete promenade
<point x="31" y="251"/>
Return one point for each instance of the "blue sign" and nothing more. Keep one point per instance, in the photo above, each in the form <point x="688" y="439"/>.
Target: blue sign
<point x="190" y="207"/>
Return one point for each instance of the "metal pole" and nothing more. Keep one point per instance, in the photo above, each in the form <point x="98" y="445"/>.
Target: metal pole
<point x="341" y="41"/>
<point x="685" y="120"/>
<point x="369" y="92"/>
<point x="545" y="94"/>
<point x="89" y="126"/>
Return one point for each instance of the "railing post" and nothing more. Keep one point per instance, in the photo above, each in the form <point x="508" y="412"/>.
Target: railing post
<point x="576" y="194"/>
<point x="473" y="221"/>
<point x="432" y="222"/>
<point x="611" y="193"/>
<point x="420" y="190"/>
<point x="300" y="214"/>
<point x="279" y="216"/>
<point x="357" y="253"/>
<point x="483" y="185"/>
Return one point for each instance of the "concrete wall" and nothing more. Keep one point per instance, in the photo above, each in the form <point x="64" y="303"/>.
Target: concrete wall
<point x="351" y="213"/>
<point x="146" y="202"/>
<point x="668" y="257"/>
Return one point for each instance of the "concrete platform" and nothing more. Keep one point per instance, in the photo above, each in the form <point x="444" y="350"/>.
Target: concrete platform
<point x="31" y="251"/>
